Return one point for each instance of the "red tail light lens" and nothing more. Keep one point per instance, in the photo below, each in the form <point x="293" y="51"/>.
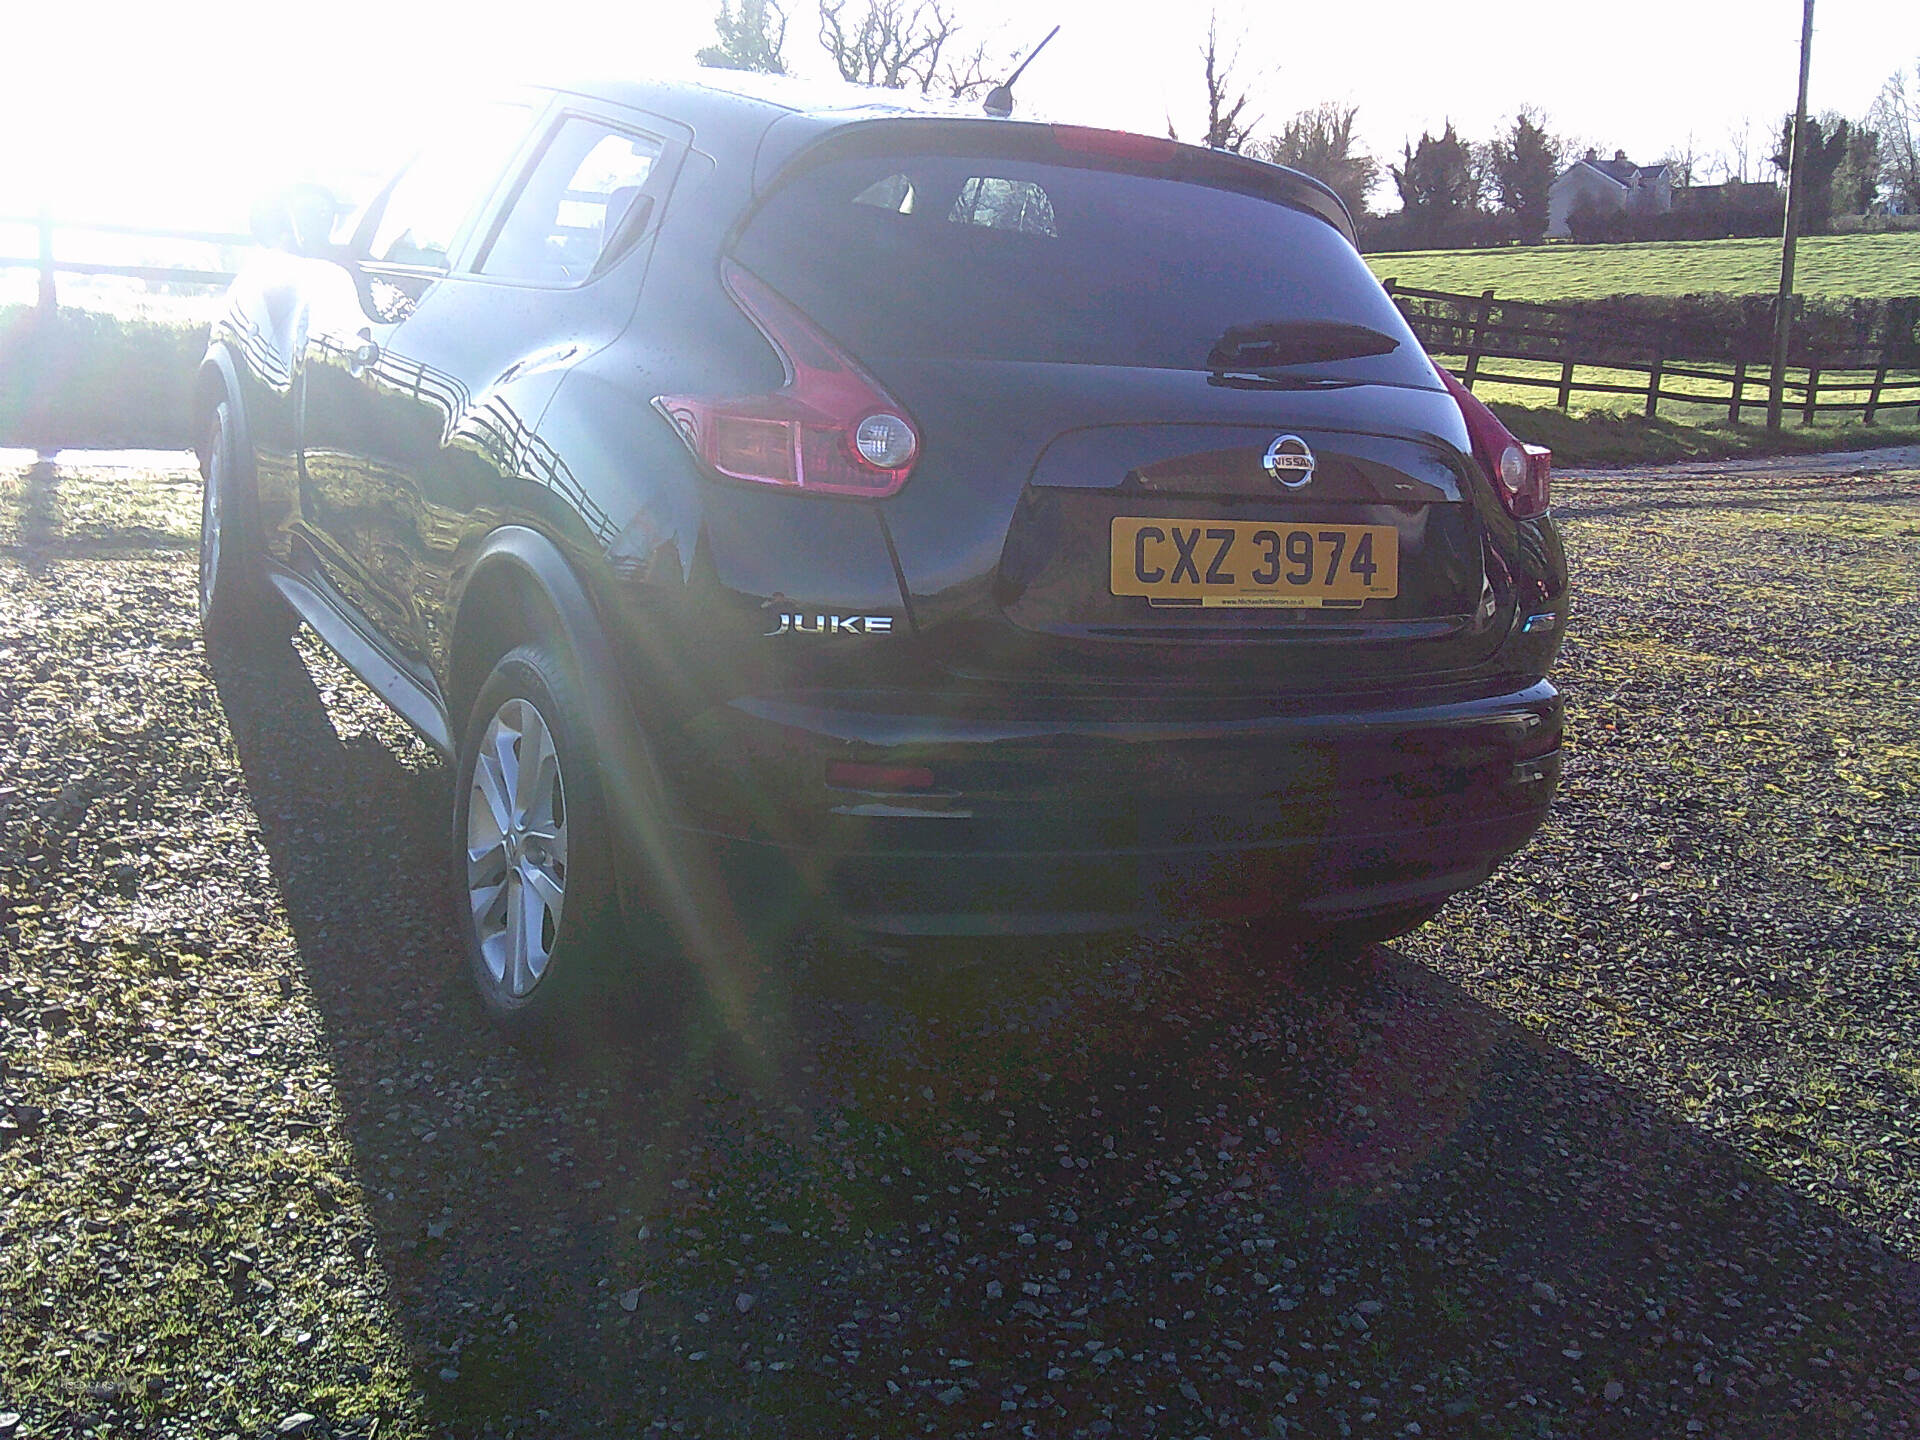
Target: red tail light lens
<point x="1521" y="474"/>
<point x="830" y="430"/>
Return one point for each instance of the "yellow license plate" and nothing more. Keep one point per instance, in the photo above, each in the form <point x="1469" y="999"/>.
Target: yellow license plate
<point x="1254" y="562"/>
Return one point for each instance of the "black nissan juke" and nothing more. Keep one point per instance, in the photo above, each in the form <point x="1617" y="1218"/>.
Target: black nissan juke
<point x="785" y="501"/>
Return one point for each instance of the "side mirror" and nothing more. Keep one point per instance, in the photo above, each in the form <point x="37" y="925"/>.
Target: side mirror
<point x="298" y="219"/>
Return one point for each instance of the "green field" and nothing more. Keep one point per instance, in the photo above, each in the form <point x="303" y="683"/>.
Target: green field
<point x="1691" y="398"/>
<point x="1857" y="265"/>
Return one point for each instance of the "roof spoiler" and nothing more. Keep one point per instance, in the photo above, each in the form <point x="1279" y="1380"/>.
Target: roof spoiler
<point x="1065" y="144"/>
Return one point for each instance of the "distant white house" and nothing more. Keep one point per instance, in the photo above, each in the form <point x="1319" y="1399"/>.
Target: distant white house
<point x="1591" y="183"/>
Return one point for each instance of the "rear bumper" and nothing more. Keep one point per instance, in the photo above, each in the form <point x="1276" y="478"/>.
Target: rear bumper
<point x="969" y="892"/>
<point x="1043" y="823"/>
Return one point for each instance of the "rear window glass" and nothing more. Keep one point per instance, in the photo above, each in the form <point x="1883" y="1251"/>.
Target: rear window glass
<point x="958" y="257"/>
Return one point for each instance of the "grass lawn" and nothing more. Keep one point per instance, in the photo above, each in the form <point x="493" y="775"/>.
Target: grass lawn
<point x="1900" y="404"/>
<point x="1608" y="438"/>
<point x="1859" y="265"/>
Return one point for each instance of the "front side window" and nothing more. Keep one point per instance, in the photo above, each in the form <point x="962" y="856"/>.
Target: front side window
<point x="437" y="200"/>
<point x="583" y="200"/>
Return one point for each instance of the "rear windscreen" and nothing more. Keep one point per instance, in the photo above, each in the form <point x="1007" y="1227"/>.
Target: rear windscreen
<point x="973" y="257"/>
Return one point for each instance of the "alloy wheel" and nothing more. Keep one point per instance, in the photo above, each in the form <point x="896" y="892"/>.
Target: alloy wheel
<point x="517" y="847"/>
<point x="211" y="500"/>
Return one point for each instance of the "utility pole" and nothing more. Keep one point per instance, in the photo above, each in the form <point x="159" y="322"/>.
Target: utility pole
<point x="1783" y="302"/>
<point x="49" y="301"/>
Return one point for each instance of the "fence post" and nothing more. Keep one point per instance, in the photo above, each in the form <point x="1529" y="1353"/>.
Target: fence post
<point x="49" y="301"/>
<point x="1566" y="384"/>
<point x="1873" y="395"/>
<point x="1739" y="387"/>
<point x="1813" y="391"/>
<point x="1481" y="312"/>
<point x="1653" y="386"/>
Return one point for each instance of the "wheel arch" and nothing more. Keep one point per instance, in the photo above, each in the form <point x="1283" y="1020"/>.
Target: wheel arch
<point x="217" y="378"/>
<point x="520" y="587"/>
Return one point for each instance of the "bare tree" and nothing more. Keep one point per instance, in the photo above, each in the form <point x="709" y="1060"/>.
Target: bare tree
<point x="900" y="45"/>
<point x="1683" y="164"/>
<point x="1226" y="101"/>
<point x="1895" y="117"/>
<point x="968" y="75"/>
<point x="1740" y="149"/>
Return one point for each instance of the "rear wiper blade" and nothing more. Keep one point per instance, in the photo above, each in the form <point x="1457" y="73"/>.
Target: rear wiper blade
<point x="1295" y="342"/>
<point x="1240" y="378"/>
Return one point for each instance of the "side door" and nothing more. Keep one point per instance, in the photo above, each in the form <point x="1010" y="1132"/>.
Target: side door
<point x="551" y="276"/>
<point x="357" y="399"/>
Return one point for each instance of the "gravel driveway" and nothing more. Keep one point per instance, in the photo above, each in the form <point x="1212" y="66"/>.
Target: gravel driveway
<point x="1627" y="1143"/>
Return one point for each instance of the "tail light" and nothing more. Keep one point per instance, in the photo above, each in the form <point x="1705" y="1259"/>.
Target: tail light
<point x="1521" y="474"/>
<point x="1115" y="144"/>
<point x="830" y="430"/>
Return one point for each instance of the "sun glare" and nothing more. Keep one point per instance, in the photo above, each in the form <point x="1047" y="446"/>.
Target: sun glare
<point x="182" y="115"/>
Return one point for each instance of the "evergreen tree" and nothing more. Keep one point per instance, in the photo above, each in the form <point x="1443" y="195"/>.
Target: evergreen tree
<point x="1822" y="150"/>
<point x="1526" y="161"/>
<point x="751" y="38"/>
<point x="1856" y="184"/>
<point x="1436" y="186"/>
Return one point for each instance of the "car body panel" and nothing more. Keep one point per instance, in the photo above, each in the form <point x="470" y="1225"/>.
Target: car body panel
<point x="751" y="637"/>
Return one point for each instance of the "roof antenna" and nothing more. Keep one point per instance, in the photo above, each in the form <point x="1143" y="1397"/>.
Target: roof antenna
<point x="999" y="100"/>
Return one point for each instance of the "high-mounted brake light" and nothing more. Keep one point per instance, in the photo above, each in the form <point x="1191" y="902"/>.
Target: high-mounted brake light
<point x="830" y="430"/>
<point x="1521" y="474"/>
<point x="1117" y="144"/>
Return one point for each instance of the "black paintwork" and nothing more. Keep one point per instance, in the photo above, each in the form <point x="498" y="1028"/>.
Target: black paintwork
<point x="441" y="458"/>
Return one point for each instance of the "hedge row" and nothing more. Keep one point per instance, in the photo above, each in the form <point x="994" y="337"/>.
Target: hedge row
<point x="95" y="379"/>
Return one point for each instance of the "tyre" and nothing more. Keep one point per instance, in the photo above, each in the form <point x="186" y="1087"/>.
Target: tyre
<point x="531" y="848"/>
<point x="237" y="610"/>
<point x="1384" y="925"/>
<point x="1338" y="946"/>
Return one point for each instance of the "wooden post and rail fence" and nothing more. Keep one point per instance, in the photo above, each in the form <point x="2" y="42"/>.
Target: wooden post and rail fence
<point x="58" y="378"/>
<point x="1486" y="339"/>
<point x="1644" y="361"/>
<point x="49" y="265"/>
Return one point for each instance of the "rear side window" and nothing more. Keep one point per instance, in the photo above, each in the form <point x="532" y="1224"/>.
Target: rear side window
<point x="974" y="257"/>
<point x="433" y="205"/>
<point x="585" y="195"/>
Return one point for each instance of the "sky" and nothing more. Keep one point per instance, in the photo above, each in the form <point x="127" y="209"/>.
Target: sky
<point x="179" y="115"/>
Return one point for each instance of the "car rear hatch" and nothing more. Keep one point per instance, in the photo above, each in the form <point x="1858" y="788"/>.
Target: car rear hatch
<point x="1172" y="430"/>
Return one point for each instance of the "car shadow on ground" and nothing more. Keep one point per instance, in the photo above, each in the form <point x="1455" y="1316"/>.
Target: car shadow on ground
<point x="1166" y="1186"/>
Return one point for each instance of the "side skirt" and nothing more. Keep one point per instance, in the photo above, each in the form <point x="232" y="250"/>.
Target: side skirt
<point x="412" y="701"/>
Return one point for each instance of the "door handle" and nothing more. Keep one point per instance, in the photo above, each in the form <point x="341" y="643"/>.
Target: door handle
<point x="364" y="357"/>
